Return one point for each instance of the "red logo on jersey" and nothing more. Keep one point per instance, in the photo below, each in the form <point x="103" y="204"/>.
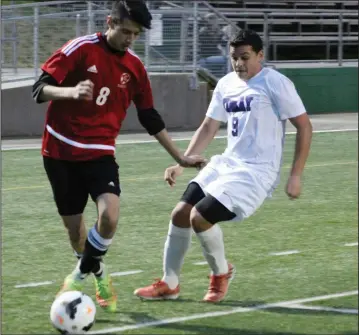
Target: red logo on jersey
<point x="125" y="78"/>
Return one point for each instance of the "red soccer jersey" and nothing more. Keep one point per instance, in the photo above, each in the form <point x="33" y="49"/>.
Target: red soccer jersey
<point x="84" y="130"/>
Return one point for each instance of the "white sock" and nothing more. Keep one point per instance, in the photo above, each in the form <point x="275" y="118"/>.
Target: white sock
<point x="77" y="273"/>
<point x="213" y="249"/>
<point x="177" y="243"/>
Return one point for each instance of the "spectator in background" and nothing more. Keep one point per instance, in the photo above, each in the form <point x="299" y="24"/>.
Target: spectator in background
<point x="212" y="46"/>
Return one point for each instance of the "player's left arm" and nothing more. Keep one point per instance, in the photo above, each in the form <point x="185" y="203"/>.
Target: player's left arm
<point x="302" y="142"/>
<point x="302" y="147"/>
<point x="291" y="107"/>
<point x="152" y="121"/>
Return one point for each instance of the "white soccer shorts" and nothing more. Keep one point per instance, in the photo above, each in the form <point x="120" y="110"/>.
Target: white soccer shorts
<point x="239" y="187"/>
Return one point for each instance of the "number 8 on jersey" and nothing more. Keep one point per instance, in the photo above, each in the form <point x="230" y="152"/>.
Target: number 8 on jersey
<point x="103" y="95"/>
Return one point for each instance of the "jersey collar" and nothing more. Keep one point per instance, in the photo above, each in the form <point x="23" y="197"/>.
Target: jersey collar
<point x="117" y="52"/>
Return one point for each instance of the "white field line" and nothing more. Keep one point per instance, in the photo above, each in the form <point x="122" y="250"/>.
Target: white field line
<point x="351" y="244"/>
<point x="122" y="142"/>
<point x="219" y="313"/>
<point x="283" y="253"/>
<point x="321" y="297"/>
<point x="43" y="283"/>
<point x="323" y="308"/>
<point x="125" y="273"/>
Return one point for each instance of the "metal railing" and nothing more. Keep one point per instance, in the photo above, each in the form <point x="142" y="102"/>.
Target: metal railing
<point x="30" y="33"/>
<point x="178" y="42"/>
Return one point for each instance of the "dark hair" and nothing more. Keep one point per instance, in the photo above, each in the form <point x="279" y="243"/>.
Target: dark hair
<point x="134" y="10"/>
<point x="247" y="37"/>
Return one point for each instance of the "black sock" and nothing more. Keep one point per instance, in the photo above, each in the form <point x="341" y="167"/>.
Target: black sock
<point x="95" y="248"/>
<point x="90" y="261"/>
<point x="97" y="267"/>
<point x="97" y="270"/>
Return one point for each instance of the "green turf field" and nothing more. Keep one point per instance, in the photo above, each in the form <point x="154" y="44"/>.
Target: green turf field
<point x="35" y="249"/>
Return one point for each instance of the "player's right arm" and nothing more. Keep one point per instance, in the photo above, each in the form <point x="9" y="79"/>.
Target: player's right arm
<point x="55" y="70"/>
<point x="46" y="89"/>
<point x="152" y="121"/>
<point x="204" y="135"/>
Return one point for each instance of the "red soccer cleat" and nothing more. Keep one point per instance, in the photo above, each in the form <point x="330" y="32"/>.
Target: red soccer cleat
<point x="218" y="285"/>
<point x="157" y="291"/>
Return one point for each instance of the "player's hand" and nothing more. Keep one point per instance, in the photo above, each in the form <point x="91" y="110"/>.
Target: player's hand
<point x="193" y="161"/>
<point x="172" y="173"/>
<point x="293" y="187"/>
<point x="84" y="90"/>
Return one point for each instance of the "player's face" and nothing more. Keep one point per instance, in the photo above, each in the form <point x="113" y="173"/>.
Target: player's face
<point x="122" y="34"/>
<point x="245" y="61"/>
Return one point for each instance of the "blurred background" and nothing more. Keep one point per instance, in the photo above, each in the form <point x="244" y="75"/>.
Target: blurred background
<point x="186" y="35"/>
<point x="186" y="51"/>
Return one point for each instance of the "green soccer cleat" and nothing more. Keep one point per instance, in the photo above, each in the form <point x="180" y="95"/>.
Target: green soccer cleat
<point x="71" y="283"/>
<point x="105" y="292"/>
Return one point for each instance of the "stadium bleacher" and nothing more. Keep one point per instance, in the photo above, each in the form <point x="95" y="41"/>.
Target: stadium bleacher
<point x="298" y="29"/>
<point x="334" y="5"/>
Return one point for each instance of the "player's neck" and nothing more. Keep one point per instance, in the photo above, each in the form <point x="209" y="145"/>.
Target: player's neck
<point x="111" y="45"/>
<point x="254" y="74"/>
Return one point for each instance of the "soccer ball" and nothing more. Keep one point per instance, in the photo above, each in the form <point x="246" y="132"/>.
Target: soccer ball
<point x="73" y="312"/>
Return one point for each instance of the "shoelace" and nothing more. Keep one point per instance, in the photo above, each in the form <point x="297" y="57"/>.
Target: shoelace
<point x="157" y="283"/>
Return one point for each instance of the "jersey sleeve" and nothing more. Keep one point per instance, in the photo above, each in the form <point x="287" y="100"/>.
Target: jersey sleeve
<point x="143" y="98"/>
<point x="62" y="62"/>
<point x="216" y="109"/>
<point x="286" y="98"/>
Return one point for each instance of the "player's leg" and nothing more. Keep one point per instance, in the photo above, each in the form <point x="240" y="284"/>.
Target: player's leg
<point x="179" y="235"/>
<point x="204" y="218"/>
<point x="104" y="187"/>
<point x="180" y="231"/>
<point x="100" y="235"/>
<point x="235" y="195"/>
<point x="75" y="226"/>
<point x="71" y="198"/>
<point x="176" y="246"/>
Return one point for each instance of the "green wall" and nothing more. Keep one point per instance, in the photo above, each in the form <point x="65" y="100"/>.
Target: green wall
<point x="326" y="90"/>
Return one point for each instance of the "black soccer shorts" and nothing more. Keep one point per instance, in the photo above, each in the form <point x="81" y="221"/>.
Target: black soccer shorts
<point x="73" y="181"/>
<point x="207" y="205"/>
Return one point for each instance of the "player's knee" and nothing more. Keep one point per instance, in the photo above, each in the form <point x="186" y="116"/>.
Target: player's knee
<point x="107" y="221"/>
<point x="197" y="221"/>
<point x="181" y="215"/>
<point x="108" y="214"/>
<point x="73" y="224"/>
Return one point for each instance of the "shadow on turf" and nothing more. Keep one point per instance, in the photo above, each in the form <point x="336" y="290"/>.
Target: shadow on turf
<point x="144" y="318"/>
<point x="294" y="311"/>
<point x="197" y="329"/>
<point x="208" y="330"/>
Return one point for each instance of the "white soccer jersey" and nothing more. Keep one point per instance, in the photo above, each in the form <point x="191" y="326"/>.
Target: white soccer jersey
<point x="255" y="112"/>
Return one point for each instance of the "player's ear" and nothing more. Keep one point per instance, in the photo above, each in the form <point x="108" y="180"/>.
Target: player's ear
<point x="261" y="55"/>
<point x="109" y="21"/>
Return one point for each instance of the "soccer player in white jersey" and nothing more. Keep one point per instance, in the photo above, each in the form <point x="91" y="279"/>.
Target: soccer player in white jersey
<point x="255" y="102"/>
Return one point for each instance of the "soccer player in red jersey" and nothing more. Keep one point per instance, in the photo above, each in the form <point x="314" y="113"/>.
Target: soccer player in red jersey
<point x="90" y="83"/>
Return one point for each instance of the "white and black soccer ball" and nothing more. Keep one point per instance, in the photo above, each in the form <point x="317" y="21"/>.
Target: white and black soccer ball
<point x="73" y="312"/>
